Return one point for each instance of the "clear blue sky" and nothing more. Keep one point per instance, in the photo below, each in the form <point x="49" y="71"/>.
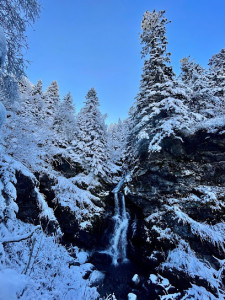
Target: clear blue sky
<point x="95" y="43"/>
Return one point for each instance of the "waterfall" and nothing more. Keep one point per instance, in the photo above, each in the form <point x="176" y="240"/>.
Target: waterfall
<point x="118" y="243"/>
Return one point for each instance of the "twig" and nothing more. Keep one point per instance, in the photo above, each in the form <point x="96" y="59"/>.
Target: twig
<point x="21" y="238"/>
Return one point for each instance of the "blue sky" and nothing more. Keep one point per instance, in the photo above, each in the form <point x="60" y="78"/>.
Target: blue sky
<point x="95" y="43"/>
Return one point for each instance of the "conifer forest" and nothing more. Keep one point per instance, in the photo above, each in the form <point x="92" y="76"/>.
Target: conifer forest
<point x="129" y="210"/>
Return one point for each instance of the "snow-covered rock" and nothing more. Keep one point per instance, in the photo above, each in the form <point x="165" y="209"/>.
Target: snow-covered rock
<point x="96" y="277"/>
<point x="132" y="296"/>
<point x="136" y="279"/>
<point x="82" y="257"/>
<point x="154" y="279"/>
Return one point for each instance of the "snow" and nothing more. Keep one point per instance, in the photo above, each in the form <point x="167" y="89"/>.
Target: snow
<point x="11" y="284"/>
<point x="46" y="211"/>
<point x="136" y="279"/>
<point x="2" y="114"/>
<point x="79" y="201"/>
<point x="61" y="281"/>
<point x="25" y="275"/>
<point x="212" y="233"/>
<point x="165" y="284"/>
<point x="154" y="279"/>
<point x="2" y="47"/>
<point x="199" y="293"/>
<point x="82" y="257"/>
<point x="96" y="277"/>
<point x="132" y="296"/>
<point x="174" y="296"/>
<point x="183" y="258"/>
<point x="11" y="238"/>
<point x="211" y="125"/>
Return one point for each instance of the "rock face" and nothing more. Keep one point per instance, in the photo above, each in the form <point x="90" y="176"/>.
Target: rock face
<point x="179" y="196"/>
<point x="30" y="208"/>
<point x="27" y="199"/>
<point x="66" y="167"/>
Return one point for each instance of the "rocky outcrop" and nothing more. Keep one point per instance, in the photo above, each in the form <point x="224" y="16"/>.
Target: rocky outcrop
<point x="66" y="166"/>
<point x="179" y="196"/>
<point x="26" y="200"/>
<point x="31" y="204"/>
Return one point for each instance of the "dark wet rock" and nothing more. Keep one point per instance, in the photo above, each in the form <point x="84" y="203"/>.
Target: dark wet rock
<point x="29" y="210"/>
<point x="99" y="259"/>
<point x="29" y="207"/>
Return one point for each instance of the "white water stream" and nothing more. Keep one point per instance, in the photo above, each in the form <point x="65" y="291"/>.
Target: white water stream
<point x="118" y="243"/>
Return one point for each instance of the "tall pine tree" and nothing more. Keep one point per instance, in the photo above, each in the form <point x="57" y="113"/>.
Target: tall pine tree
<point x="159" y="108"/>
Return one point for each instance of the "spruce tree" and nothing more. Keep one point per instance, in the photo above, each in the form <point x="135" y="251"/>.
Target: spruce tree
<point x="117" y="136"/>
<point x="159" y="108"/>
<point x="51" y="98"/>
<point x="37" y="99"/>
<point x="217" y="81"/>
<point x="202" y="89"/>
<point x="32" y="100"/>
<point x="64" y="122"/>
<point x="92" y="138"/>
<point x="217" y="73"/>
<point x="195" y="77"/>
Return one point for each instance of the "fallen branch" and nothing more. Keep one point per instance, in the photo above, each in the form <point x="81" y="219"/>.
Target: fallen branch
<point x="21" y="238"/>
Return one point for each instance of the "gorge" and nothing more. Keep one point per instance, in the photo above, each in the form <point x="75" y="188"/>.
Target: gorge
<point x="134" y="210"/>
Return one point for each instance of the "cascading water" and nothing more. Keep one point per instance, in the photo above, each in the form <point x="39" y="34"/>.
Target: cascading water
<point x="118" y="243"/>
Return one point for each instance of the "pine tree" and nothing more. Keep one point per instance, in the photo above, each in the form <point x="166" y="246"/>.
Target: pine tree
<point x="64" y="123"/>
<point x="217" y="81"/>
<point x="37" y="99"/>
<point x="202" y="99"/>
<point x="117" y="136"/>
<point x="32" y="102"/>
<point x="159" y="107"/>
<point x="92" y="138"/>
<point x="217" y="73"/>
<point x="51" y="98"/>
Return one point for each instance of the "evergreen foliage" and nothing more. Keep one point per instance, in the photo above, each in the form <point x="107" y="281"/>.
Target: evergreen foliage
<point x="15" y="16"/>
<point x="92" y="137"/>
<point x="65" y="123"/>
<point x="217" y="72"/>
<point x="203" y="91"/>
<point x="117" y="137"/>
<point x="160" y="105"/>
<point x="51" y="99"/>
